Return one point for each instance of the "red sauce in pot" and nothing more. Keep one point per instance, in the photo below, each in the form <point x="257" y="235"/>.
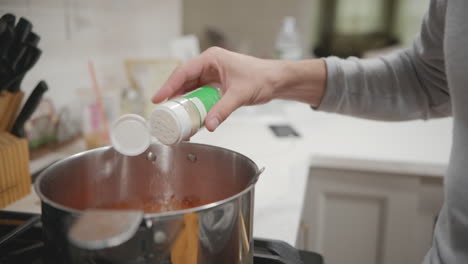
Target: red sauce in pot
<point x="156" y="205"/>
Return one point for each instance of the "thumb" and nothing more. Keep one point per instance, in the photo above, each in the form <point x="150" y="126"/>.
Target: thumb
<point x="221" y="110"/>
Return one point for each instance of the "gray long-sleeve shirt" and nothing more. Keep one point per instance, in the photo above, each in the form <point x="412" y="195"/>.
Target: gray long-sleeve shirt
<point x="428" y="80"/>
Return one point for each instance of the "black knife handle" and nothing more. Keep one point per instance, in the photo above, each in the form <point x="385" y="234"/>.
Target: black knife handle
<point x="28" y="109"/>
<point x="6" y="43"/>
<point x="23" y="28"/>
<point x="10" y="19"/>
<point x="32" y="39"/>
<point x="26" y="63"/>
<point x="3" y="26"/>
<point x="18" y="56"/>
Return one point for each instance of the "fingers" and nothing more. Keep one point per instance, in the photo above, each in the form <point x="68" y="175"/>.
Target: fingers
<point x="187" y="73"/>
<point x="222" y="109"/>
<point x="199" y="71"/>
<point x="190" y="75"/>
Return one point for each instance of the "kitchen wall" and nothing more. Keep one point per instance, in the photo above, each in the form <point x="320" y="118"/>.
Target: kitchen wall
<point x="105" y="31"/>
<point x="109" y="31"/>
<point x="251" y="26"/>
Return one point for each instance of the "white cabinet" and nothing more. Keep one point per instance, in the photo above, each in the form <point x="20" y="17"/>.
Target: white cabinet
<point x="354" y="216"/>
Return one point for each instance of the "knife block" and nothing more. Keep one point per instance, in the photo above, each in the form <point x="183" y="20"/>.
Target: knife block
<point x="9" y="105"/>
<point x="15" y="180"/>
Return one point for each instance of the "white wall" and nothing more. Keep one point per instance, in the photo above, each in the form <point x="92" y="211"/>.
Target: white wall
<point x="250" y="26"/>
<point x="105" y="31"/>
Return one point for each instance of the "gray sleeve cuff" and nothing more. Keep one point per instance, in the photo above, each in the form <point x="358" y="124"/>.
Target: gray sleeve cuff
<point x="335" y="84"/>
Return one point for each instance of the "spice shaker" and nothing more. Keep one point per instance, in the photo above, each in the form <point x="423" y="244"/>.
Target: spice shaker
<point x="170" y="122"/>
<point x="180" y="118"/>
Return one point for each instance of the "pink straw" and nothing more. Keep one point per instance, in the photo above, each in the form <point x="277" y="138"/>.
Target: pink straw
<point x="97" y="91"/>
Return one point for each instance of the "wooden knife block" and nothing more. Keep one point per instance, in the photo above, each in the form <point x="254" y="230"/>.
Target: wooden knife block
<point x="9" y="105"/>
<point x="15" y="180"/>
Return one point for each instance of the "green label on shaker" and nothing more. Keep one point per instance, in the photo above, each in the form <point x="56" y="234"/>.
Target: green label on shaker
<point x="207" y="95"/>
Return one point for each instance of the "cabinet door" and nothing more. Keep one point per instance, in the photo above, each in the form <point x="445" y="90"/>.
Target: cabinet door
<point x="431" y="197"/>
<point x="360" y="217"/>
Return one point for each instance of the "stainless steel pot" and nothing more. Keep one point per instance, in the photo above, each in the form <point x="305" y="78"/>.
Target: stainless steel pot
<point x="220" y="231"/>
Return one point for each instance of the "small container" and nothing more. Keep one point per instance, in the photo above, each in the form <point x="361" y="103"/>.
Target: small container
<point x="170" y="123"/>
<point x="130" y="135"/>
<point x="180" y="118"/>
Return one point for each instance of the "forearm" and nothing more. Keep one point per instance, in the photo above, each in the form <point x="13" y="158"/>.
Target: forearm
<point x="407" y="84"/>
<point x="303" y="81"/>
<point x="393" y="88"/>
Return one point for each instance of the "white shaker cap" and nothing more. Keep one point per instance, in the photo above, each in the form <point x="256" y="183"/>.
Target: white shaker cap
<point x="130" y="135"/>
<point x="170" y="123"/>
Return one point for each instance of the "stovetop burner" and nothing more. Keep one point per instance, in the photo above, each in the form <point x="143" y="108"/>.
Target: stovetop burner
<point x="27" y="246"/>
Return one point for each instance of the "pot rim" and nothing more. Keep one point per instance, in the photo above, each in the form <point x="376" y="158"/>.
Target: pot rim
<point x="74" y="211"/>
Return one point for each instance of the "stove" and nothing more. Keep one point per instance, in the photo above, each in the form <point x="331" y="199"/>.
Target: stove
<point x="26" y="245"/>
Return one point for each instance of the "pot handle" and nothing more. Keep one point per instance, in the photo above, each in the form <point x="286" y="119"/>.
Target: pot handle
<point x="99" y="229"/>
<point x="257" y="174"/>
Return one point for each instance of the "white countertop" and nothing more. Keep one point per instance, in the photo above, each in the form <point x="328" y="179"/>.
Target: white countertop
<point x="414" y="147"/>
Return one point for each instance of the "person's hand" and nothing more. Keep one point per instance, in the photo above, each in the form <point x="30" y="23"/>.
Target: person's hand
<point x="245" y="80"/>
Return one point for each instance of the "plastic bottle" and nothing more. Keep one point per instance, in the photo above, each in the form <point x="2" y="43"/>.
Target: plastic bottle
<point x="288" y="44"/>
<point x="170" y="123"/>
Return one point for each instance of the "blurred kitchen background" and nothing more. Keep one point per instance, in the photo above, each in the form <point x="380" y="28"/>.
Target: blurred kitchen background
<point x="356" y="191"/>
<point x="134" y="45"/>
<point x="111" y="32"/>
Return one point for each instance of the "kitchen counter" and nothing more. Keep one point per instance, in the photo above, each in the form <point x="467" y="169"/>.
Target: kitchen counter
<point x="414" y="147"/>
